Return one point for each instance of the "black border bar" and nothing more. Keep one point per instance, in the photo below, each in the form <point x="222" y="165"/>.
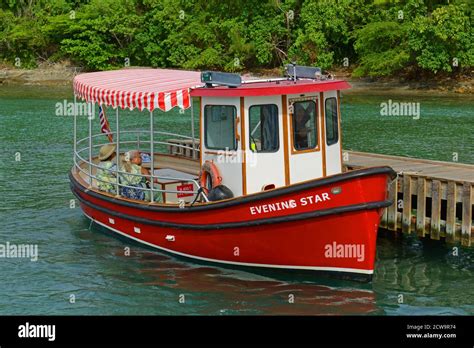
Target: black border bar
<point x="224" y="330"/>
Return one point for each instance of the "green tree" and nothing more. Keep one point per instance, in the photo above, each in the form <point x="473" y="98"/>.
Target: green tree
<point x="382" y="48"/>
<point x="443" y="40"/>
<point x="378" y="38"/>
<point x="100" y="33"/>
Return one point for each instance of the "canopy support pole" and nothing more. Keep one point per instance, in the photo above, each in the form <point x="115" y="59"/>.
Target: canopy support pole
<point x="90" y="143"/>
<point x="152" y="159"/>
<point x="192" y="128"/>
<point x="117" y="153"/>
<point x="75" y="132"/>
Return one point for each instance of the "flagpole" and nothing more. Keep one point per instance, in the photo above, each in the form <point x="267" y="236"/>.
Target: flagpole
<point x="109" y="132"/>
<point x="117" y="149"/>
<point x="75" y="132"/>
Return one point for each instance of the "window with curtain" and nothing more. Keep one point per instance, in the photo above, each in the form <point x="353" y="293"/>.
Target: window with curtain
<point x="263" y="128"/>
<point x="305" y="126"/>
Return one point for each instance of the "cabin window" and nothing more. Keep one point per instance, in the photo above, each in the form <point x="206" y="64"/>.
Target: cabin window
<point x="263" y="127"/>
<point x="332" y="127"/>
<point x="305" y="127"/>
<point x="219" y="121"/>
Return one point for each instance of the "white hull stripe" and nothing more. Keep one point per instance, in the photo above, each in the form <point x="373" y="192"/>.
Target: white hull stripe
<point x="312" y="268"/>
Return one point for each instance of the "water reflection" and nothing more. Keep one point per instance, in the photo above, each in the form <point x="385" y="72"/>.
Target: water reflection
<point x="432" y="277"/>
<point x="242" y="292"/>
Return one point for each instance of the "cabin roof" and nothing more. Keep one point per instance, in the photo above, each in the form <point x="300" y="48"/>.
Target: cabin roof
<point x="267" y="88"/>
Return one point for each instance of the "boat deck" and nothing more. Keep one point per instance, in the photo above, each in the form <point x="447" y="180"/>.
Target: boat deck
<point x="181" y="163"/>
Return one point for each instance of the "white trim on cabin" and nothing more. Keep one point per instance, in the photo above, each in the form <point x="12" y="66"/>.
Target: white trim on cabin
<point x="261" y="169"/>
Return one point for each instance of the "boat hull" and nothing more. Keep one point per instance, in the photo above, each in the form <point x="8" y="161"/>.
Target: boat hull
<point x="328" y="224"/>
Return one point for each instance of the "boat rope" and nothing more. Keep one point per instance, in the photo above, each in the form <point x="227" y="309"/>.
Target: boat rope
<point x="199" y="192"/>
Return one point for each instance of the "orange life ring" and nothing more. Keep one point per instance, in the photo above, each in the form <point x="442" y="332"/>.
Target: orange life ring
<point x="209" y="169"/>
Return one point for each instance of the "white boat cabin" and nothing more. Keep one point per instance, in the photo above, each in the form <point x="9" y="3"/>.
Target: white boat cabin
<point x="268" y="134"/>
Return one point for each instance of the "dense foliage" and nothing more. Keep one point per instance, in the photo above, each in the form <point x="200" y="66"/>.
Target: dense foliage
<point x="372" y="38"/>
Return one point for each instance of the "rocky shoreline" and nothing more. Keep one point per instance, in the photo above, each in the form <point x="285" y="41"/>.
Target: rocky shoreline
<point x="54" y="75"/>
<point x="62" y="75"/>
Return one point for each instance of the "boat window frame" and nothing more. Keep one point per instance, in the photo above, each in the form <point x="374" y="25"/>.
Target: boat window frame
<point x="291" y="102"/>
<point x="236" y="145"/>
<point x="335" y="121"/>
<point x="277" y="123"/>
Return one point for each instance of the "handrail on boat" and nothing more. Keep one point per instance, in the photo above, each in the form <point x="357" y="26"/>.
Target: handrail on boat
<point x="138" y="131"/>
<point x="80" y="160"/>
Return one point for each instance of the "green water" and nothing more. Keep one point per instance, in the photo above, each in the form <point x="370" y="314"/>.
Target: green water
<point x="75" y="259"/>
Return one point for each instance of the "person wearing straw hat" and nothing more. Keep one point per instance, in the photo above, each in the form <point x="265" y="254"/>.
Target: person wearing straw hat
<point x="106" y="180"/>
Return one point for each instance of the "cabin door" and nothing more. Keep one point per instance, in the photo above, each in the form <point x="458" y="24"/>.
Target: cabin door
<point x="264" y="161"/>
<point x="332" y="134"/>
<point x="221" y="139"/>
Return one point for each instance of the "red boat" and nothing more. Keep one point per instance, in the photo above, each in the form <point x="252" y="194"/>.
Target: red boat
<point x="263" y="185"/>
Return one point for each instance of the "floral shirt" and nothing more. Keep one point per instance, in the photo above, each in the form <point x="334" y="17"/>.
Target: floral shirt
<point x="141" y="192"/>
<point x="132" y="180"/>
<point x="138" y="181"/>
<point x="106" y="179"/>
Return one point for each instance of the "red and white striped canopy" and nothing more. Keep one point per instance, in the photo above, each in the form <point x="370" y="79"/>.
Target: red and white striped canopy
<point x="138" y="88"/>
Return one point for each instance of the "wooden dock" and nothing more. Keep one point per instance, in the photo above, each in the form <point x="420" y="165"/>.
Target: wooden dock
<point x="433" y="198"/>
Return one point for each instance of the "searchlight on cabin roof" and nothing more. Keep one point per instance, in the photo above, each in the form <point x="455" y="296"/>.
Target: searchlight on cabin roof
<point x="221" y="79"/>
<point x="294" y="72"/>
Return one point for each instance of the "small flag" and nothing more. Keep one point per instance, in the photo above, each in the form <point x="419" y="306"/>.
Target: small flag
<point x="104" y="124"/>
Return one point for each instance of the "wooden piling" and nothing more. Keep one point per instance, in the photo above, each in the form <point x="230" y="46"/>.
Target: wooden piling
<point x="421" y="207"/>
<point x="466" y="214"/>
<point x="451" y="212"/>
<point x="406" y="214"/>
<point x="435" y="209"/>
<point x="392" y="210"/>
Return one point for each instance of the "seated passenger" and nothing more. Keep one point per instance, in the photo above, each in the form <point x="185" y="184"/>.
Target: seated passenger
<point x="105" y="175"/>
<point x="132" y="164"/>
<point x="138" y="160"/>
